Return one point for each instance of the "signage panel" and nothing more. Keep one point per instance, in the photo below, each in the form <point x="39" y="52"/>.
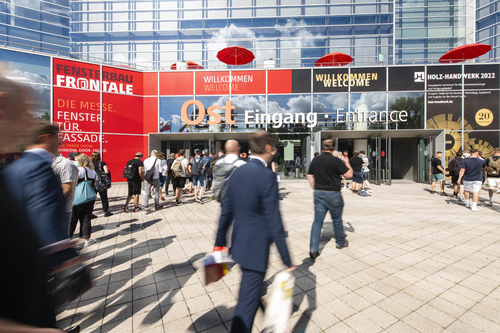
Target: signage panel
<point x="331" y="80"/>
<point x="124" y="114"/>
<point x="279" y="81"/>
<point x="234" y="82"/>
<point x="444" y="78"/>
<point x="407" y="78"/>
<point x="481" y="77"/>
<point x="368" y="79"/>
<point x="173" y="84"/>
<point x="301" y="81"/>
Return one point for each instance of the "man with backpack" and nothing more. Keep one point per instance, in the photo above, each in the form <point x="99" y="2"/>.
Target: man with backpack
<point x="134" y="174"/>
<point x="179" y="172"/>
<point x="196" y="170"/>
<point x="225" y="167"/>
<point x="493" y="165"/>
<point x="454" y="167"/>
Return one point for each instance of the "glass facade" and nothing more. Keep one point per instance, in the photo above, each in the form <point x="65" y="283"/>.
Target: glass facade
<point x="488" y="26"/>
<point x="33" y="24"/>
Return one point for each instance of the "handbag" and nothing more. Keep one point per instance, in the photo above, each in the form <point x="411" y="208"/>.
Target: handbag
<point x="102" y="180"/>
<point x="84" y="192"/>
<point x="149" y="175"/>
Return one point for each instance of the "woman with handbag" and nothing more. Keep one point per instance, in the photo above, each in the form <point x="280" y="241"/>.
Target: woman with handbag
<point x="83" y="202"/>
<point x="102" y="171"/>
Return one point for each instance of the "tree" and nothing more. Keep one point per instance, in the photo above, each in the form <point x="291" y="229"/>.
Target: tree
<point x="44" y="117"/>
<point x="415" y="109"/>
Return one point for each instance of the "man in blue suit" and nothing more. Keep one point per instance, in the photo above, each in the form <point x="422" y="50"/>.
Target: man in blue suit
<point x="252" y="202"/>
<point x="35" y="187"/>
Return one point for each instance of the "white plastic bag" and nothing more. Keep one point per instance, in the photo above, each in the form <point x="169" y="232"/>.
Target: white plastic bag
<point x="279" y="303"/>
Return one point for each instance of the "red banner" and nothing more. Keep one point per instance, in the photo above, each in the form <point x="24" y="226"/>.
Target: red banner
<point x="238" y="83"/>
<point x="122" y="81"/>
<point x="279" y="81"/>
<point x="172" y="84"/>
<point x="124" y="114"/>
<point x="85" y="143"/>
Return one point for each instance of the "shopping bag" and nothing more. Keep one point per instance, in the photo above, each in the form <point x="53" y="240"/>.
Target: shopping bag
<point x="279" y="303"/>
<point x="216" y="265"/>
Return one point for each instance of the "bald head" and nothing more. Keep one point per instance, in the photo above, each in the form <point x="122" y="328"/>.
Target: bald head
<point x="232" y="147"/>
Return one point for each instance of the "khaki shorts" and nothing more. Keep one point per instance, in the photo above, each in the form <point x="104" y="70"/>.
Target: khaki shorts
<point x="493" y="181"/>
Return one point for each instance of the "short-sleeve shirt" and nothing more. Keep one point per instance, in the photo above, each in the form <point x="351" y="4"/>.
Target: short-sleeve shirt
<point x="473" y="169"/>
<point x="138" y="163"/>
<point x="67" y="173"/>
<point x="435" y="162"/>
<point x="327" y="171"/>
<point x="356" y="163"/>
<point x="96" y="165"/>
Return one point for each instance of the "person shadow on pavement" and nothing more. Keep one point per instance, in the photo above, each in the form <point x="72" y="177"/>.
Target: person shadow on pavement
<point x="305" y="281"/>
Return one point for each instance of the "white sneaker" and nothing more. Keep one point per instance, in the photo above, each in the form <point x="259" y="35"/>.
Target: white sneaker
<point x="344" y="188"/>
<point x="89" y="242"/>
<point x="475" y="209"/>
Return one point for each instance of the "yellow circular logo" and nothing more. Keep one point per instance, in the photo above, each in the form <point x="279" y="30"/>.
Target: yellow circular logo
<point x="484" y="117"/>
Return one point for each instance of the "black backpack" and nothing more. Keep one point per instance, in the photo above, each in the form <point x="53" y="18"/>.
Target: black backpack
<point x="196" y="168"/>
<point x="455" y="165"/>
<point x="130" y="170"/>
<point x="102" y="179"/>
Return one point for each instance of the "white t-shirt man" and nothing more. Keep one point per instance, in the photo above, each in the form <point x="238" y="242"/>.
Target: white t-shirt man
<point x="148" y="165"/>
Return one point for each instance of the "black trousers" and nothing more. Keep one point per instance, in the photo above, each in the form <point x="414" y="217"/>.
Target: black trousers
<point x="83" y="214"/>
<point x="249" y="299"/>
<point x="170" y="178"/>
<point x="104" y="200"/>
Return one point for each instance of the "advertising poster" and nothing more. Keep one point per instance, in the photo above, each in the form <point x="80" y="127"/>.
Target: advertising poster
<point x="481" y="109"/>
<point x="485" y="141"/>
<point x="331" y="80"/>
<point x="407" y="78"/>
<point x="301" y="81"/>
<point x="122" y="114"/>
<point x="368" y="79"/>
<point x="234" y="82"/>
<point x="444" y="78"/>
<point x="481" y="77"/>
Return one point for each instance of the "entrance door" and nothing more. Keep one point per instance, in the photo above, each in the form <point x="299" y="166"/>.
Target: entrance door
<point x="425" y="152"/>
<point x="379" y="150"/>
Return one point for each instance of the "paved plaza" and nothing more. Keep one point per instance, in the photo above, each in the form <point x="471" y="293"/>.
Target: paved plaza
<point x="416" y="262"/>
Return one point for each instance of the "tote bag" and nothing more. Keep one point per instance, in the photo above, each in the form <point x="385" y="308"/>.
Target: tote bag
<point x="84" y="192"/>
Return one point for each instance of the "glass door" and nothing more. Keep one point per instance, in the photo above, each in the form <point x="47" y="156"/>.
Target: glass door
<point x="385" y="161"/>
<point x="424" y="159"/>
<point x="373" y="154"/>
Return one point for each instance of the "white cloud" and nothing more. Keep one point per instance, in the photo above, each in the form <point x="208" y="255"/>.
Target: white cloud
<point x="374" y="101"/>
<point x="30" y="77"/>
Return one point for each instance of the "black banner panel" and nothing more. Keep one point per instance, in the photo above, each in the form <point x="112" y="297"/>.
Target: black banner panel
<point x="481" y="109"/>
<point x="481" y="77"/>
<point x="406" y="78"/>
<point x="368" y="79"/>
<point x="331" y="80"/>
<point x="483" y="141"/>
<point x="444" y="78"/>
<point x="301" y="81"/>
<point x="444" y="110"/>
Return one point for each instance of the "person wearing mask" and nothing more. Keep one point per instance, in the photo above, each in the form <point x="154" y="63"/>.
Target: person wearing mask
<point x="324" y="176"/>
<point x="83" y="212"/>
<point x="25" y="305"/>
<point x="471" y="175"/>
<point x="152" y="163"/>
<point x="170" y="178"/>
<point x="179" y="172"/>
<point x="101" y="166"/>
<point x="67" y="173"/>
<point x="134" y="181"/>
<point x="257" y="224"/>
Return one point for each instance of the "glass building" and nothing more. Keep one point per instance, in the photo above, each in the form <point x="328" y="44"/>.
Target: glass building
<point x="488" y="26"/>
<point x="37" y="25"/>
<point x="287" y="33"/>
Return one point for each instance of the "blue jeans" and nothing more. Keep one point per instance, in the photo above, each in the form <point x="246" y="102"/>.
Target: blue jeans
<point x="324" y="202"/>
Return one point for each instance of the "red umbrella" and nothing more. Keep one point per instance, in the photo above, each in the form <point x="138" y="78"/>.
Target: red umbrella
<point x="334" y="59"/>
<point x="465" y="52"/>
<point x="190" y="64"/>
<point x="235" y="55"/>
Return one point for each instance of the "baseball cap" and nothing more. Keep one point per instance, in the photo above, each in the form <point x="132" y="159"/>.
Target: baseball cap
<point x="138" y="153"/>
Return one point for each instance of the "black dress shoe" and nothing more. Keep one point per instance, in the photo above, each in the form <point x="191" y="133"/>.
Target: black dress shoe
<point x="93" y="216"/>
<point x="74" y="329"/>
<point x="346" y="244"/>
<point x="313" y="255"/>
<point x="108" y="214"/>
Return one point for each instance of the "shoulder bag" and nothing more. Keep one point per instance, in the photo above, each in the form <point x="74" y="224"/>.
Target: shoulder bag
<point x="84" y="192"/>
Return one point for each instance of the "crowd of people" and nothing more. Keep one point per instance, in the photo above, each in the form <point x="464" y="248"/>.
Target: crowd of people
<point x="469" y="172"/>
